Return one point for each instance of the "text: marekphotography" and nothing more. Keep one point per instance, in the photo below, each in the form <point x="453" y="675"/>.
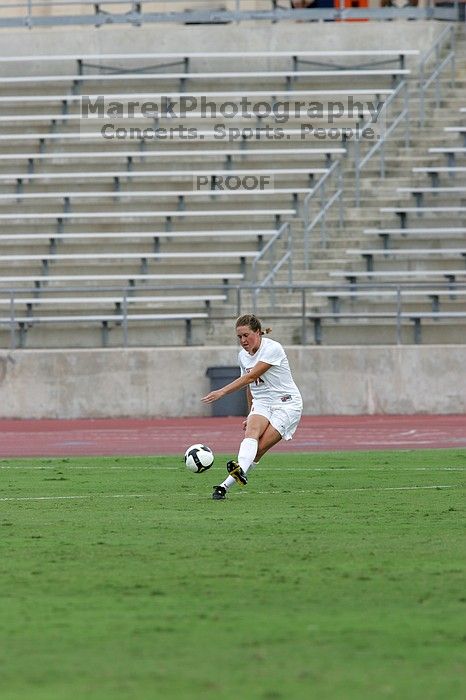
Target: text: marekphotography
<point x="102" y="107"/>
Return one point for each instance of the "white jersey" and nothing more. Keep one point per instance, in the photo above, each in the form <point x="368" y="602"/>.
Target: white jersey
<point x="276" y="384"/>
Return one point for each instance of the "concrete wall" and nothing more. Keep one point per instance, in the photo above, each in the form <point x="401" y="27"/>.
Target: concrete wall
<point x="170" y="381"/>
<point x="262" y="36"/>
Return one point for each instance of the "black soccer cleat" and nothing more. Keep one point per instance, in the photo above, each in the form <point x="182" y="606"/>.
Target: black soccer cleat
<point x="219" y="493"/>
<point x="237" y="473"/>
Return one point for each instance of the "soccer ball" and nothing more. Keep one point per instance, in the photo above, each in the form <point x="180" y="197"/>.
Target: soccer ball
<point x="198" y="458"/>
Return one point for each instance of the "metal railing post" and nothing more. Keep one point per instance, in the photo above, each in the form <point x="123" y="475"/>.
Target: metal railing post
<point x="290" y="258"/>
<point x="437" y="81"/>
<point x="29" y="20"/>
<point x="238" y="301"/>
<point x="398" y="315"/>
<point x="357" y="161"/>
<point x="421" y="94"/>
<point x="384" y="128"/>
<point x="12" y="322"/>
<point x="453" y="60"/>
<point x="303" y="317"/>
<point x="447" y="36"/>
<point x="341" y="205"/>
<point x="406" y="108"/>
<point x="384" y="133"/>
<point x="125" y="319"/>
<point x="319" y="191"/>
<point x="307" y="234"/>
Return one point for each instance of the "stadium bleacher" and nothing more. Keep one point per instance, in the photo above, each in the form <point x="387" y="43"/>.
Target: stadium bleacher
<point x="143" y="194"/>
<point x="426" y="246"/>
<point x="78" y="208"/>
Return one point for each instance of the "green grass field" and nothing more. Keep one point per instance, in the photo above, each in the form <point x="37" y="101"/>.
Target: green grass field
<point x="332" y="576"/>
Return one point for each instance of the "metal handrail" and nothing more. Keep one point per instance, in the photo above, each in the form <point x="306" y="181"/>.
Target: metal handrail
<point x="275" y="265"/>
<point x="399" y="316"/>
<point x="385" y="133"/>
<point x="326" y="203"/>
<point x="446" y="37"/>
<point x="142" y="11"/>
<point x="244" y="291"/>
<point x="270" y="246"/>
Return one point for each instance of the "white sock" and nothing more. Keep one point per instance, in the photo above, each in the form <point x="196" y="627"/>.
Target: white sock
<point x="247" y="452"/>
<point x="229" y="481"/>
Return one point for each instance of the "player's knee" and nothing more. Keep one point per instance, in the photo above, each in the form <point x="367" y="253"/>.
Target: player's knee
<point x="254" y="430"/>
<point x="252" y="433"/>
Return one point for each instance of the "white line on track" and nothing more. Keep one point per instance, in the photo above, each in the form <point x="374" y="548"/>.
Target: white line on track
<point x="316" y="489"/>
<point x="392" y="488"/>
<point x="267" y="493"/>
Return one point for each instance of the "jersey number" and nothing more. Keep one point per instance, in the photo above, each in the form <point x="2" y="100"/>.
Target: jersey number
<point x="257" y="381"/>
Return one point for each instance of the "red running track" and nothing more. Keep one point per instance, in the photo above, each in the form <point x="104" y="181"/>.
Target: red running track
<point x="56" y="438"/>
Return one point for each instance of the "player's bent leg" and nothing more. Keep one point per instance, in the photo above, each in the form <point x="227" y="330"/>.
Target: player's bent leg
<point x="257" y="424"/>
<point x="268" y="439"/>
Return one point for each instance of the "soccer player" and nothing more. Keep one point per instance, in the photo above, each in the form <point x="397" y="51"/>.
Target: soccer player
<point x="275" y="404"/>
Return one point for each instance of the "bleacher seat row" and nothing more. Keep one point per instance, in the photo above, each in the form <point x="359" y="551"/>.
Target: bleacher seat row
<point x="128" y="214"/>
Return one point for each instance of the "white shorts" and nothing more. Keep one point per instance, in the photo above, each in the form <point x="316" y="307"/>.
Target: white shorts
<point x="284" y="418"/>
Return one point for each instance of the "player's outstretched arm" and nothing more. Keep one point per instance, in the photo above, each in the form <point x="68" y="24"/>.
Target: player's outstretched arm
<point x="256" y="372"/>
